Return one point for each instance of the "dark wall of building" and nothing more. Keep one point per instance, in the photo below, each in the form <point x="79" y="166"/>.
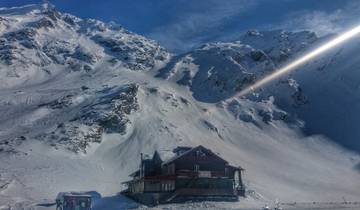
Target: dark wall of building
<point x="205" y="183"/>
<point x="206" y="162"/>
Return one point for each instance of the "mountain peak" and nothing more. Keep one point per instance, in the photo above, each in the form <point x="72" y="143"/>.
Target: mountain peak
<point x="36" y="39"/>
<point x="79" y="103"/>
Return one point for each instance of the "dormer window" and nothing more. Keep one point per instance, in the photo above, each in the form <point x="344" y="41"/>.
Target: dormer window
<point x="200" y="153"/>
<point x="181" y="150"/>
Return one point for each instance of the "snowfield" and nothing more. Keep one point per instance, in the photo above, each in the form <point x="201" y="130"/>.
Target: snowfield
<point x="81" y="99"/>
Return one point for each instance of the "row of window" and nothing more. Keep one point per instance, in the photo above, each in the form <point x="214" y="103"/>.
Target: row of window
<point x="170" y="186"/>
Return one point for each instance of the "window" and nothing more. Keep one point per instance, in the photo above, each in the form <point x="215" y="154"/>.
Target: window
<point x="167" y="186"/>
<point x="172" y="168"/>
<point x="83" y="204"/>
<point x="200" y="153"/>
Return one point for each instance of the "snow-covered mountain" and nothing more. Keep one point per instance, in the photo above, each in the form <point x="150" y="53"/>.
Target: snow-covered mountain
<point x="38" y="42"/>
<point x="314" y="93"/>
<point x="81" y="99"/>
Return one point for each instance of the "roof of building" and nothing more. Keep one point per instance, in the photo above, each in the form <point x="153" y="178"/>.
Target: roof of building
<point x="168" y="156"/>
<point x="189" y="151"/>
<point x="72" y="194"/>
<point x="181" y="148"/>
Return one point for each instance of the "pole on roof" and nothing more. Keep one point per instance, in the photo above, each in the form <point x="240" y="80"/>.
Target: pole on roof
<point x="141" y="165"/>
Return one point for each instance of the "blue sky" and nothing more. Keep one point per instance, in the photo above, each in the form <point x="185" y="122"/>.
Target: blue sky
<point x="182" y="24"/>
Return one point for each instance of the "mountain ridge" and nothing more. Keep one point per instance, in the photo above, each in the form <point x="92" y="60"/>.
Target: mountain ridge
<point x="65" y="126"/>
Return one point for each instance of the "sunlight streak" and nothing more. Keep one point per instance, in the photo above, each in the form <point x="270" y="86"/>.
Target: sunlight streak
<point x="291" y="66"/>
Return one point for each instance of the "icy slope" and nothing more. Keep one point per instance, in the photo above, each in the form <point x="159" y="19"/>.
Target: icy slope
<point x="328" y="87"/>
<point x="37" y="43"/>
<point x="280" y="164"/>
<point x="332" y="88"/>
<point x="83" y="130"/>
<point x="323" y="93"/>
<point x="217" y="71"/>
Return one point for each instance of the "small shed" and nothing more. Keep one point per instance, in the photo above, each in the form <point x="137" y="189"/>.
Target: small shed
<point x="73" y="201"/>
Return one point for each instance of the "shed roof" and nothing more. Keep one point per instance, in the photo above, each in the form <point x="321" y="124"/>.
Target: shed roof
<point x="189" y="151"/>
<point x="72" y="194"/>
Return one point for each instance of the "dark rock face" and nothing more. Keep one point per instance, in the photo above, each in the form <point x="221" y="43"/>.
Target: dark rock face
<point x="121" y="105"/>
<point x="20" y="35"/>
<point x="212" y="128"/>
<point x="299" y="98"/>
<point x="135" y="55"/>
<point x="12" y="45"/>
<point x="261" y="112"/>
<point x="10" y="145"/>
<point x="186" y="79"/>
<point x="61" y="103"/>
<point x="106" y="112"/>
<point x="82" y="55"/>
<point x="43" y="23"/>
<point x="257" y="55"/>
<point x="49" y="38"/>
<point x="278" y="45"/>
<point x="225" y="70"/>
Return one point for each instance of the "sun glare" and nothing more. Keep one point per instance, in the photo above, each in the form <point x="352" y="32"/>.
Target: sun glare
<point x="292" y="66"/>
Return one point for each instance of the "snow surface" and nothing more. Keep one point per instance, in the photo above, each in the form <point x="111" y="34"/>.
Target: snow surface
<point x="83" y="128"/>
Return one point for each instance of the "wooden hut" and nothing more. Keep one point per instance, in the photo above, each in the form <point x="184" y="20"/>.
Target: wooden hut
<point x="189" y="173"/>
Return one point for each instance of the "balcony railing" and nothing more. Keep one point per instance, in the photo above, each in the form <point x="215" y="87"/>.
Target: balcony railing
<point x="205" y="174"/>
<point x="207" y="192"/>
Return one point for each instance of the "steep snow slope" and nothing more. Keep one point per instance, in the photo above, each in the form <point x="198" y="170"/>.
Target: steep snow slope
<point x="314" y="93"/>
<point x="280" y="164"/>
<point x="328" y="87"/>
<point x="217" y="71"/>
<point x="84" y="130"/>
<point x="38" y="42"/>
<point x="332" y="88"/>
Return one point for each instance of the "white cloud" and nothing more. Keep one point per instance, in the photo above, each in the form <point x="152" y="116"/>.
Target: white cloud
<point x="211" y="20"/>
<point x="192" y="28"/>
<point x="323" y="22"/>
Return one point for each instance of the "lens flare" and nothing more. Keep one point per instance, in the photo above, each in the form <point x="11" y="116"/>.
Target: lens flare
<point x="291" y="66"/>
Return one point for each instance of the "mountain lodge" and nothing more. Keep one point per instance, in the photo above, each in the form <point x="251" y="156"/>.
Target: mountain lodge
<point x="186" y="173"/>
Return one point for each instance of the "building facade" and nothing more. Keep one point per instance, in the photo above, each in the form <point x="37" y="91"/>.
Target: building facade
<point x="188" y="174"/>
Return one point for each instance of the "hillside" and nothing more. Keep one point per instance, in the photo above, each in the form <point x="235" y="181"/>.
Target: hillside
<point x="81" y="99"/>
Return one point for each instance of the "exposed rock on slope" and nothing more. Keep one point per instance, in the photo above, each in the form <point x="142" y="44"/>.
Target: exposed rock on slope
<point x="79" y="104"/>
<point x="42" y="39"/>
<point x="217" y="71"/>
<point x="103" y="111"/>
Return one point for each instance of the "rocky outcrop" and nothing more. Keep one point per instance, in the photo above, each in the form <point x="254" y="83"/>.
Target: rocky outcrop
<point x="106" y="111"/>
<point x="44" y="38"/>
